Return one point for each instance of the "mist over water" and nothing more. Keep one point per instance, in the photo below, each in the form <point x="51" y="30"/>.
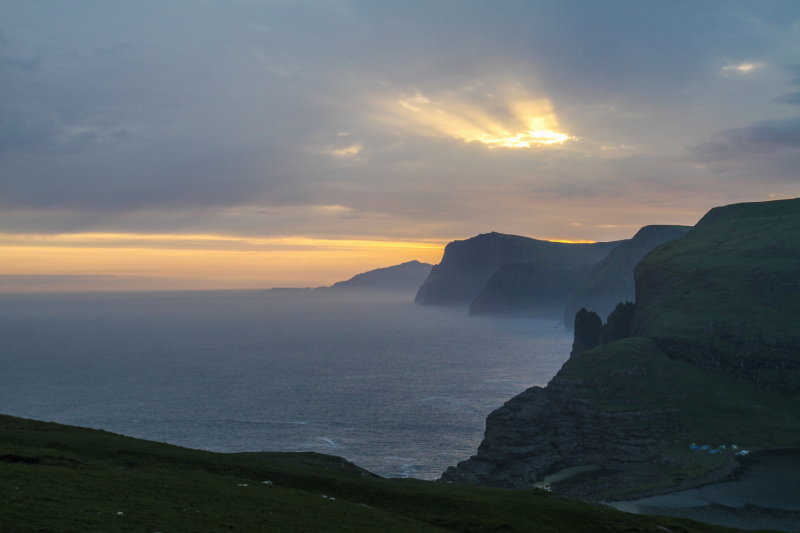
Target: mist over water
<point x="399" y="389"/>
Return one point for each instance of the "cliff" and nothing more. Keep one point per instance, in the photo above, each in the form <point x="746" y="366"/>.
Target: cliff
<point x="611" y="280"/>
<point x="632" y="411"/>
<point x="528" y="289"/>
<point x="718" y="303"/>
<point x="467" y="265"/>
<point x="405" y="276"/>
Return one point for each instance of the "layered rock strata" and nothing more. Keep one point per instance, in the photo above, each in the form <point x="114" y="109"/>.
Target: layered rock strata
<point x="543" y="430"/>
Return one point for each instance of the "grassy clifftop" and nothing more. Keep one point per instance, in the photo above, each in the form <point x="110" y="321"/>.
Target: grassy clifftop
<point x="60" y="478"/>
<point x="695" y="405"/>
<point x="727" y="294"/>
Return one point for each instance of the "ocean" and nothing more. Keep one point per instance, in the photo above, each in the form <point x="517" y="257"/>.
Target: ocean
<point x="399" y="389"/>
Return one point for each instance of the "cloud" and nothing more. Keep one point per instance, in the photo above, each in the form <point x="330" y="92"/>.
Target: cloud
<point x="742" y="68"/>
<point x="792" y="98"/>
<point x="763" y="138"/>
<point x="495" y="115"/>
<point x="28" y="64"/>
<point x="399" y="112"/>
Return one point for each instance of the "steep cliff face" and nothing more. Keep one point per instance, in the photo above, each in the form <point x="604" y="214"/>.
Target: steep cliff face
<point x="727" y="295"/>
<point x="546" y="429"/>
<point x="632" y="411"/>
<point x="611" y="280"/>
<point x="467" y="265"/>
<point x="528" y="289"/>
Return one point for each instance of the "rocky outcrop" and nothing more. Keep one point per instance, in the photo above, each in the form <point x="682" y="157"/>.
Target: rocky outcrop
<point x="588" y="331"/>
<point x="611" y="280"/>
<point x="619" y="322"/>
<point x="467" y="265"/>
<point x="543" y="430"/>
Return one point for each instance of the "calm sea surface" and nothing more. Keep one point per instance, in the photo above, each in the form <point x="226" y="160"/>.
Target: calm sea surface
<point x="399" y="389"/>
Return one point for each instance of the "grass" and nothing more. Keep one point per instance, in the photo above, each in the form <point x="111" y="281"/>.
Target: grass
<point x="708" y="407"/>
<point x="733" y="281"/>
<point x="56" y="478"/>
<point x="673" y="403"/>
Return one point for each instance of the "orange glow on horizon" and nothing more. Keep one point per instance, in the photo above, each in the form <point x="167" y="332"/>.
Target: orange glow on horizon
<point x="130" y="261"/>
<point x="570" y="242"/>
<point x="205" y="261"/>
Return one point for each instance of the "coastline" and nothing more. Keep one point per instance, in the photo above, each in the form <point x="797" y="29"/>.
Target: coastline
<point x="579" y="486"/>
<point x="734" y="465"/>
<point x="759" y="492"/>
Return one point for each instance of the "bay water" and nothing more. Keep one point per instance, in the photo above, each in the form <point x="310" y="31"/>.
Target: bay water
<point x="764" y="495"/>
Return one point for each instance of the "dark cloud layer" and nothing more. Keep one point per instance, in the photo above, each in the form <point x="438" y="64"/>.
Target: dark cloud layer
<point x="792" y="98"/>
<point x="761" y="139"/>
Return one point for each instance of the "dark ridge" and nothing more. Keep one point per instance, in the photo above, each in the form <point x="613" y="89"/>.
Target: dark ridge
<point x="467" y="265"/>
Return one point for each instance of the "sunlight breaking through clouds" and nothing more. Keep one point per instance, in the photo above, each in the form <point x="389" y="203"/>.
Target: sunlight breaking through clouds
<point x="347" y="152"/>
<point x="511" y="119"/>
<point x="742" y="67"/>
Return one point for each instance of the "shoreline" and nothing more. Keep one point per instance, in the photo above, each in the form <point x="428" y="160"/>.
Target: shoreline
<point x="734" y="465"/>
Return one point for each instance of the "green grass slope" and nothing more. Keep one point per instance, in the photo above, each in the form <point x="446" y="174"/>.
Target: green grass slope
<point x="58" y="478"/>
<point x="671" y="403"/>
<point x="697" y="405"/>
<point x="727" y="294"/>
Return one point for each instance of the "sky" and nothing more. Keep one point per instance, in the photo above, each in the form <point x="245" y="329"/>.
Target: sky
<point x="253" y="144"/>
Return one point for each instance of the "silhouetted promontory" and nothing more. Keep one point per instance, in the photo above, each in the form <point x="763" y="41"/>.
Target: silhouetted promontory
<point x="405" y="276"/>
<point x="467" y="265"/>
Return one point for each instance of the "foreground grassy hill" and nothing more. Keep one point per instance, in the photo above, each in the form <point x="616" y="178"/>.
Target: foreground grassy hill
<point x="59" y="478"/>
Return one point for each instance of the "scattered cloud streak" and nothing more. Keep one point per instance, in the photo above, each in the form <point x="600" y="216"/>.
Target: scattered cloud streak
<point x="761" y="139"/>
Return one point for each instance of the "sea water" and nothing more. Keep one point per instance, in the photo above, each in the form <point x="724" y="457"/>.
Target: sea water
<point x="399" y="389"/>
